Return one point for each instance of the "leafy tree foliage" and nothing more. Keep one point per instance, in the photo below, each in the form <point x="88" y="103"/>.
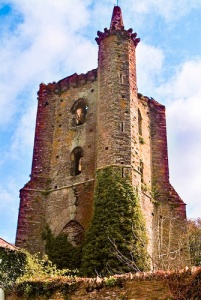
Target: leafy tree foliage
<point x="194" y="229"/>
<point x="11" y="267"/>
<point x="42" y="278"/>
<point x="116" y="240"/>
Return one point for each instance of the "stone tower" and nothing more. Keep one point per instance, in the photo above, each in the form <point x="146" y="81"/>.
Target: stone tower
<point x="91" y="121"/>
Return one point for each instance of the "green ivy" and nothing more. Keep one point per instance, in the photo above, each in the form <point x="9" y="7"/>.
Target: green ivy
<point x="62" y="253"/>
<point x="116" y="240"/>
<point x="12" y="265"/>
<point x="41" y="288"/>
<point x="42" y="278"/>
<point x="141" y="140"/>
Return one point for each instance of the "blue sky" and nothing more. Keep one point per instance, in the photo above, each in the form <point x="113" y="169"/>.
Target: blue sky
<point x="45" y="41"/>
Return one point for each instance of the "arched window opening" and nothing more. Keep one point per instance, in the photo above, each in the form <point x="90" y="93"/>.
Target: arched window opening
<point x="79" y="111"/>
<point x="76" y="161"/>
<point x="74" y="231"/>
<point x="139" y="123"/>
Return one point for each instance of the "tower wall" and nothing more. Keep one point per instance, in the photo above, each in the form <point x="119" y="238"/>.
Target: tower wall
<point x="31" y="217"/>
<point x="71" y="196"/>
<point x="144" y="167"/>
<point x="123" y="140"/>
<point x="43" y="134"/>
<point x="170" y="240"/>
<point x="114" y="136"/>
<point x="88" y="122"/>
<point x="55" y="196"/>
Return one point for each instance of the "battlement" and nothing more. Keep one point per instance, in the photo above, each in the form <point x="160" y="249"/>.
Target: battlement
<point x="127" y="34"/>
<point x="66" y="83"/>
<point x="76" y="80"/>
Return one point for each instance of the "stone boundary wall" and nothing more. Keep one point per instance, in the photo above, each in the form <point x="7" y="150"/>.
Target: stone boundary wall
<point x="159" y="285"/>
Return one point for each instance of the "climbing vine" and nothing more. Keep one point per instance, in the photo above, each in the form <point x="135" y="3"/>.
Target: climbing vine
<point x="116" y="240"/>
<point x="11" y="267"/>
<point x="60" y="251"/>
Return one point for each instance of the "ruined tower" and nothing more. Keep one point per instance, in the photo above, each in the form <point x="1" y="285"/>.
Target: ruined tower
<point x="91" y="121"/>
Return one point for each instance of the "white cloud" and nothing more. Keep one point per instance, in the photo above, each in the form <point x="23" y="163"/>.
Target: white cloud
<point x="6" y="195"/>
<point x="45" y="45"/>
<point x="24" y="134"/>
<point x="42" y="47"/>
<point x="183" y="93"/>
<point x="186" y="82"/>
<point x="184" y="127"/>
<point x="51" y="13"/>
<point x="8" y="211"/>
<point x="149" y="67"/>
<point x="169" y="10"/>
<point x="6" y="198"/>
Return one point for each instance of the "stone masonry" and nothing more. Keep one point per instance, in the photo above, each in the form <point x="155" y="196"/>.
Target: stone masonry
<point x="90" y="121"/>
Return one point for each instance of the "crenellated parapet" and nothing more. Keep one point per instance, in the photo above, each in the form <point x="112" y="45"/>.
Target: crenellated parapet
<point x="127" y="34"/>
<point x="76" y="80"/>
<point x="46" y="89"/>
<point x="66" y="83"/>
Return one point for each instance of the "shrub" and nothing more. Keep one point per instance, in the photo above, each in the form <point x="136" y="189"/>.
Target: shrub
<point x="41" y="277"/>
<point x="12" y="264"/>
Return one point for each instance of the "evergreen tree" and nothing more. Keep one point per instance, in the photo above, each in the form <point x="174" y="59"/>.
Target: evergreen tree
<point x="116" y="240"/>
<point x="60" y="252"/>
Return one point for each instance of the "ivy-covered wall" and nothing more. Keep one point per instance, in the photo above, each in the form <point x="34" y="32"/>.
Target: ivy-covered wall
<point x="116" y="240"/>
<point x="11" y="266"/>
<point x="62" y="253"/>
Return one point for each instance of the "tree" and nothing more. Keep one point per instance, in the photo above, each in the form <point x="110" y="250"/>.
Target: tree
<point x="60" y="252"/>
<point x="171" y="238"/>
<point x="117" y="229"/>
<point x="11" y="266"/>
<point x="194" y="229"/>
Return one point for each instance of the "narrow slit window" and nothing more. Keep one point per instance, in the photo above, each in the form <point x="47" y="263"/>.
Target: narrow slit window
<point x="122" y="126"/>
<point x="141" y="170"/>
<point x="139" y="123"/>
<point x="78" y="164"/>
